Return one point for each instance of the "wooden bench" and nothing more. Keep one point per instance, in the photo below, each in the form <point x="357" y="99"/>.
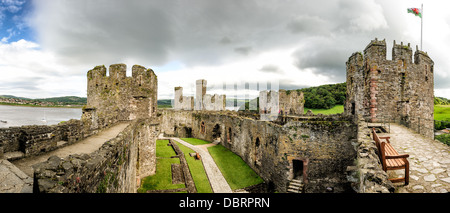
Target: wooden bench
<point x="390" y="159"/>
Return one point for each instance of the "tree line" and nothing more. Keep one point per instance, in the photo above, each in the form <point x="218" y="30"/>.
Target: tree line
<point x="324" y="96"/>
<point x="441" y="101"/>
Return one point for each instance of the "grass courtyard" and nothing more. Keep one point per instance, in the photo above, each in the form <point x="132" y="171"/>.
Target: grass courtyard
<point x="237" y="173"/>
<point x="334" y="110"/>
<point x="163" y="177"/>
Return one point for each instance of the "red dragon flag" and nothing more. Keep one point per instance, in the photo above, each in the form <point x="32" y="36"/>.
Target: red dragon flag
<point x="418" y="12"/>
<point x="415" y="11"/>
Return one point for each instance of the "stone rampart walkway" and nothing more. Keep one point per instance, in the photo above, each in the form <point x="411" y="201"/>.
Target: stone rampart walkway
<point x="429" y="161"/>
<point x="216" y="179"/>
<point x="15" y="177"/>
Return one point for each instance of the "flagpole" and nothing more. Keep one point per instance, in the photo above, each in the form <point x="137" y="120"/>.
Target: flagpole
<point x="421" y="29"/>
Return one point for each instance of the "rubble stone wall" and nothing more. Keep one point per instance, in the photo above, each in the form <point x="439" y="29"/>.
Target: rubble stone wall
<point x="116" y="167"/>
<point x="117" y="97"/>
<point x="182" y="102"/>
<point x="269" y="148"/>
<point x="366" y="174"/>
<point x="37" y="139"/>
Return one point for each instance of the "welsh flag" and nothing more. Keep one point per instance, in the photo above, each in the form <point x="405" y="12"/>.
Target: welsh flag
<point x="415" y="11"/>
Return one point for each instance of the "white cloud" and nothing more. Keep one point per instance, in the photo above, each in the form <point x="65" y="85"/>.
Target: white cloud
<point x="12" y="6"/>
<point x="243" y="71"/>
<point x="28" y="71"/>
<point x="298" y="43"/>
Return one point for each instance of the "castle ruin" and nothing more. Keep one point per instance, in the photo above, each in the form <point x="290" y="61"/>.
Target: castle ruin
<point x="327" y="153"/>
<point x="117" y="97"/>
<point x="278" y="103"/>
<point x="202" y="100"/>
<point x="392" y="90"/>
<point x="182" y="102"/>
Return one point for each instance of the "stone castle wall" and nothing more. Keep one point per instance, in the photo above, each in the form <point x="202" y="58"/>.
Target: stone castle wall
<point x="117" y="97"/>
<point x="181" y="102"/>
<point x="116" y="167"/>
<point x="205" y="101"/>
<point x="291" y="102"/>
<point x="366" y="175"/>
<point x="397" y="89"/>
<point x="36" y="139"/>
<point x="269" y="148"/>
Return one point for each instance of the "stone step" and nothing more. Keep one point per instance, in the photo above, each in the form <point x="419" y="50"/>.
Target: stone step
<point x="296" y="181"/>
<point x="292" y="191"/>
<point x="296" y="184"/>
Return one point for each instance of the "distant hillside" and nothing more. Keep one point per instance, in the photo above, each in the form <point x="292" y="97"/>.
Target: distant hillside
<point x="73" y="100"/>
<point x="55" y="101"/>
<point x="441" y="101"/>
<point x="15" y="97"/>
<point x="164" y="103"/>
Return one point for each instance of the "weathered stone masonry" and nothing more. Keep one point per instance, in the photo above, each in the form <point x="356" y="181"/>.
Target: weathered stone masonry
<point x="116" y="97"/>
<point x="121" y="162"/>
<point x="397" y="89"/>
<point x="270" y="149"/>
<point x="36" y="139"/>
<point x="115" y="168"/>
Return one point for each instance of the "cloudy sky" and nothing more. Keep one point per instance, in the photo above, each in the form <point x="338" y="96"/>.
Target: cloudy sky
<point x="47" y="46"/>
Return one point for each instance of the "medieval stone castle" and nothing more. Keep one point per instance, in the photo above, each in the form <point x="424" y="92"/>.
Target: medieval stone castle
<point x="322" y="151"/>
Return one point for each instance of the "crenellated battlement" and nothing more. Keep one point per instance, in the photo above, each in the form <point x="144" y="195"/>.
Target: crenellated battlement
<point x="117" y="72"/>
<point x="391" y="89"/>
<point x="376" y="51"/>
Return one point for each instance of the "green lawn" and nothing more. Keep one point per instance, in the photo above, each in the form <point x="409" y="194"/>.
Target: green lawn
<point x="197" y="171"/>
<point x="162" y="179"/>
<point x="336" y="109"/>
<point x="195" y="141"/>
<point x="442" y="112"/>
<point x="237" y="173"/>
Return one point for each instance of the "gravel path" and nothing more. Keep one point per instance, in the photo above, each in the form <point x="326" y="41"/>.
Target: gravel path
<point x="429" y="161"/>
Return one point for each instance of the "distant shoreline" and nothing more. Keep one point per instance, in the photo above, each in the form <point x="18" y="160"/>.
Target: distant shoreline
<point x="32" y="105"/>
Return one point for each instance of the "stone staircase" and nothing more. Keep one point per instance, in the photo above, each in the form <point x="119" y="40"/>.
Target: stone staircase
<point x="295" y="186"/>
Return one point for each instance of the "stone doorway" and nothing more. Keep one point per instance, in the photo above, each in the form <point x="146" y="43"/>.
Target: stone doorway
<point x="298" y="169"/>
<point x="216" y="133"/>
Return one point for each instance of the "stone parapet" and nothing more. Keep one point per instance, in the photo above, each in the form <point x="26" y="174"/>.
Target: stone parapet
<point x="366" y="175"/>
<point x="114" y="168"/>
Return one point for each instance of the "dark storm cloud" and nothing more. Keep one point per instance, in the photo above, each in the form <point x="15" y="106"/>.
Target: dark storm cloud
<point x="87" y="31"/>
<point x="270" y="69"/>
<point x="323" y="58"/>
<point x="243" y="50"/>
<point x="322" y="34"/>
<point x="287" y="84"/>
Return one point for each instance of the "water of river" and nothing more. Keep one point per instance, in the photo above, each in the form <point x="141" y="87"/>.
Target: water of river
<point x="19" y="115"/>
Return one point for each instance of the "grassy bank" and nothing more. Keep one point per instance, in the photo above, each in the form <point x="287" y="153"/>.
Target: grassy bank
<point x="195" y="141"/>
<point x="237" y="173"/>
<point x="162" y="179"/>
<point x="197" y="171"/>
<point x="442" y="112"/>
<point x="334" y="110"/>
